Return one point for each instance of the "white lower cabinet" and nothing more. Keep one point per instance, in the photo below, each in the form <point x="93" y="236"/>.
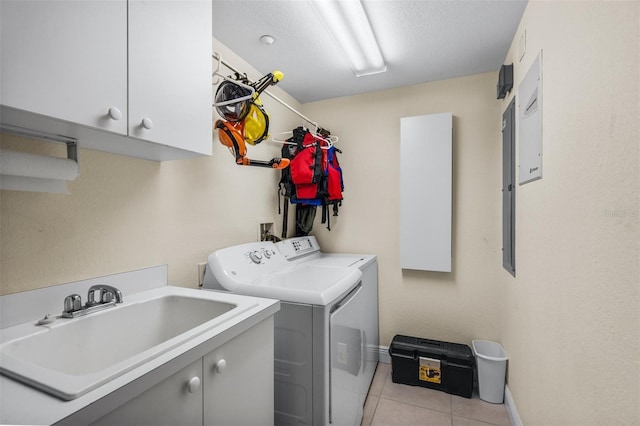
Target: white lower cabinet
<point x="231" y="385"/>
<point x="176" y="400"/>
<point x="238" y="380"/>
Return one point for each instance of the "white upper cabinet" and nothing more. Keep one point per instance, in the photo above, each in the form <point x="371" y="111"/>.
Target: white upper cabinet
<point x="67" y="60"/>
<point x="129" y="77"/>
<point x="170" y="72"/>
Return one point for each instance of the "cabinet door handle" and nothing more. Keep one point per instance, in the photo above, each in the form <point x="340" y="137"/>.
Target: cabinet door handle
<point x="220" y="365"/>
<point x="115" y="114"/>
<point x="194" y="384"/>
<point x="147" y="123"/>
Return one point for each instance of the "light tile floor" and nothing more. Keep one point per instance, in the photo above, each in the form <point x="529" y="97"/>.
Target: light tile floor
<point x="391" y="403"/>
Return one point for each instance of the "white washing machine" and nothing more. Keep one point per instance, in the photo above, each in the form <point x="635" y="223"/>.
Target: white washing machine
<point x="326" y="332"/>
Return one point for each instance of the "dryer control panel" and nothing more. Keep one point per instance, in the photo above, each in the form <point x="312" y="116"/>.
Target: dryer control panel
<point x="245" y="263"/>
<point x="255" y="262"/>
<point x="293" y="248"/>
<point x="261" y="253"/>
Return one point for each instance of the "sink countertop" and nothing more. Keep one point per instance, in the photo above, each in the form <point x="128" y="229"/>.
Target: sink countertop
<point x="22" y="404"/>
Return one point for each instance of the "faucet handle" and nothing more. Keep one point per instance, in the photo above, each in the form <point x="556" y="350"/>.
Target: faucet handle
<point x="91" y="297"/>
<point x="108" y="294"/>
<point x="117" y="294"/>
<point x="72" y="303"/>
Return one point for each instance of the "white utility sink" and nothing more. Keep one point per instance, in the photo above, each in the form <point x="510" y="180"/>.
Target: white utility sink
<point x="71" y="357"/>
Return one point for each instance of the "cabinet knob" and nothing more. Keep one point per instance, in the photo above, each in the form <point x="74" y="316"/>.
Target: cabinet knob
<point x="147" y="123"/>
<point x="193" y="385"/>
<point x="114" y="113"/>
<point x="220" y="365"/>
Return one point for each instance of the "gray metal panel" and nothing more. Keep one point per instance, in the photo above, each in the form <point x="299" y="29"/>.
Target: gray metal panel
<point x="293" y="341"/>
<point x="508" y="189"/>
<point x="371" y="327"/>
<point x="321" y="365"/>
<point x="346" y="358"/>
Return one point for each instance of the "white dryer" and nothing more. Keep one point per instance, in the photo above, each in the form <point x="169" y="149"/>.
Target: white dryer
<point x="326" y="332"/>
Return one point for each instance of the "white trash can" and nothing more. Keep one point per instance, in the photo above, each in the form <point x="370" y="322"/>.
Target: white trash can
<point x="492" y="364"/>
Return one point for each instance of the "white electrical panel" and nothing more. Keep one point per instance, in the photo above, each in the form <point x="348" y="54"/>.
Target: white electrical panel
<point x="530" y="124"/>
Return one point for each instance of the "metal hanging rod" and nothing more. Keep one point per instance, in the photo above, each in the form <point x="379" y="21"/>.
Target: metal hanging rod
<point x="218" y="58"/>
<point x="72" y="143"/>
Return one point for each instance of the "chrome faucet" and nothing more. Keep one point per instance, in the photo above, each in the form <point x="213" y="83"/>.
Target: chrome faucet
<point x="108" y="296"/>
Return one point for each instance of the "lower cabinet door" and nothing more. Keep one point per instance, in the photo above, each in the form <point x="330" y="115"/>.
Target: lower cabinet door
<point x="238" y="385"/>
<point x="177" y="400"/>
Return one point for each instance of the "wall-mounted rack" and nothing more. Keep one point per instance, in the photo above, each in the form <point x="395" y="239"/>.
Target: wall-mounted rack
<point x="217" y="72"/>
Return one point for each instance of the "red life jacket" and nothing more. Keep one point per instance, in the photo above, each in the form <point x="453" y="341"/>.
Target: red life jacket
<point x="314" y="176"/>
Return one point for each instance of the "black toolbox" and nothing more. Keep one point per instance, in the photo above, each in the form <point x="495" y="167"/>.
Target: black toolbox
<point x="432" y="364"/>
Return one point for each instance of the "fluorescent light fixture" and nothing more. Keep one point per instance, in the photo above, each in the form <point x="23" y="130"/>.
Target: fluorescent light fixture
<point x="349" y="26"/>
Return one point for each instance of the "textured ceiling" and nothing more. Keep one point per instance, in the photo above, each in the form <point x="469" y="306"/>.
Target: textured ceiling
<point x="421" y="41"/>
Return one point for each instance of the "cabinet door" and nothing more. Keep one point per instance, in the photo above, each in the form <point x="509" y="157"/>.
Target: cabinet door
<point x="177" y="400"/>
<point x="170" y="92"/>
<point x="66" y="59"/>
<point x="238" y="385"/>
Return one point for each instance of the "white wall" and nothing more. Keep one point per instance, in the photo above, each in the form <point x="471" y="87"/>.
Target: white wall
<point x="570" y="321"/>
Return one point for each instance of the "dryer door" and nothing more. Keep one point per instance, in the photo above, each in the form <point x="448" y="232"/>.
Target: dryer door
<point x="346" y="358"/>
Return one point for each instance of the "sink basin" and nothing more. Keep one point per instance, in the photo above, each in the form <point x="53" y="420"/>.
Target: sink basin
<point x="70" y="357"/>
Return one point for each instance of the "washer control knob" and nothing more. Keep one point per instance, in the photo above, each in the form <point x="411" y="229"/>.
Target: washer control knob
<point x="267" y="253"/>
<point x="255" y="256"/>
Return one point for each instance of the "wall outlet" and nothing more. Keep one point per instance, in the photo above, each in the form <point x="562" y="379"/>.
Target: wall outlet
<point x="201" y="267"/>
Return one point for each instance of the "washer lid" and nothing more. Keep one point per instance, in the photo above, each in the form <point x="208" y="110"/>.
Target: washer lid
<point x="315" y="285"/>
<point x="340" y="260"/>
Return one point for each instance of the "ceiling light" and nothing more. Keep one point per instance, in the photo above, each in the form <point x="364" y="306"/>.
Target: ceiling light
<point x="349" y="26"/>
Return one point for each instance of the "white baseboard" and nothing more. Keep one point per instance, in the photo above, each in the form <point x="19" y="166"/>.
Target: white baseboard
<point x="383" y="353"/>
<point x="514" y="417"/>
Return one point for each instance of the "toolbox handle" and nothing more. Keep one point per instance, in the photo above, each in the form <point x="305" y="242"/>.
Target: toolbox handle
<point x="414" y="356"/>
<point x="431" y="343"/>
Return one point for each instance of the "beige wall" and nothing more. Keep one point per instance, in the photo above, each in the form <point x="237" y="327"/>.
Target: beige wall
<point x="570" y="317"/>
<point x="456" y="306"/>
<point x="568" y="321"/>
<point x="125" y="213"/>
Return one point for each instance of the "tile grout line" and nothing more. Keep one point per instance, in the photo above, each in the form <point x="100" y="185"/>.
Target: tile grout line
<point x="450" y="412"/>
<point x="388" y="377"/>
<point x="386" y="380"/>
<point x="373" y="415"/>
<point x="419" y="406"/>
